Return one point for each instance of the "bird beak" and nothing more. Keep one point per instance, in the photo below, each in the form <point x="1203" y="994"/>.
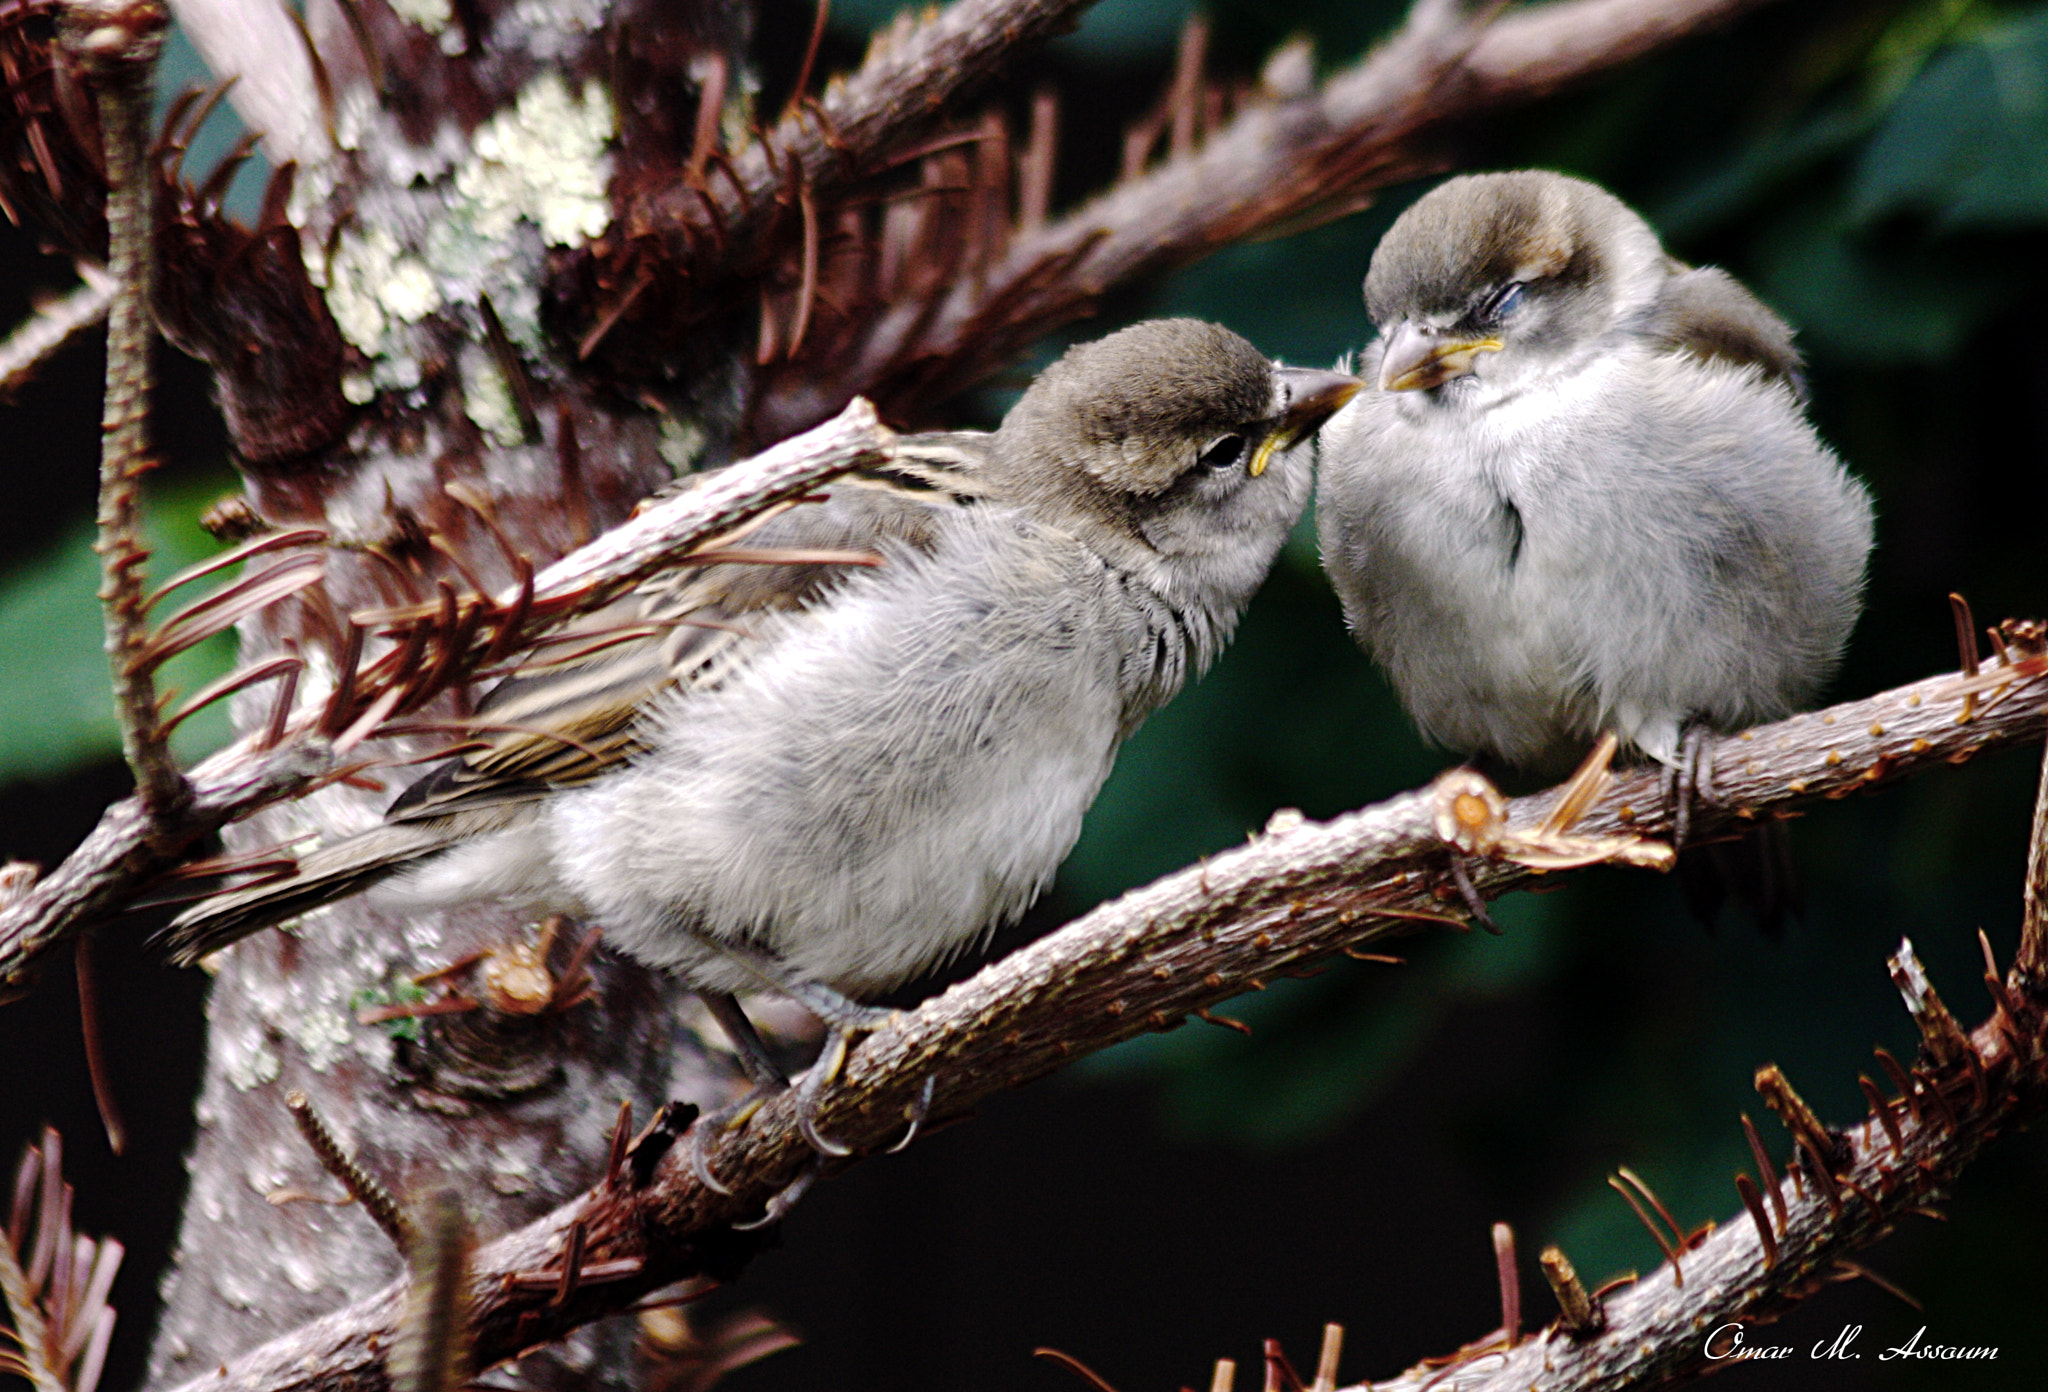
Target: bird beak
<point x="1418" y="359"/>
<point x="1313" y="396"/>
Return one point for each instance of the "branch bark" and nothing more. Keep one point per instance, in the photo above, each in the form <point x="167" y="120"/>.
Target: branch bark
<point x="51" y="326"/>
<point x="117" y="46"/>
<point x="1297" y="894"/>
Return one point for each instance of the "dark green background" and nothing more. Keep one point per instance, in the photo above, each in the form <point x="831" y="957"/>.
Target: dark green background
<point x="1879" y="172"/>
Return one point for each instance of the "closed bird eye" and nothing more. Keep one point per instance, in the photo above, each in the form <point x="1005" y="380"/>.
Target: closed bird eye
<point x="1221" y="452"/>
<point x="1505" y="301"/>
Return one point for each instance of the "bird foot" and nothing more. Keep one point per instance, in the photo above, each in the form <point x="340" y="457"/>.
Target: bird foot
<point x="1461" y="876"/>
<point x="712" y="1125"/>
<point x="778" y="1207"/>
<point x="919" y="1110"/>
<point x="1689" y="778"/>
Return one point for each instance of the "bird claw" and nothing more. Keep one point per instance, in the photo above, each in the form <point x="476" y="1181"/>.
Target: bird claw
<point x="717" y="1123"/>
<point x="1469" y="892"/>
<point x="778" y="1207"/>
<point x="810" y="1092"/>
<point x="919" y="1110"/>
<point x="1689" y="778"/>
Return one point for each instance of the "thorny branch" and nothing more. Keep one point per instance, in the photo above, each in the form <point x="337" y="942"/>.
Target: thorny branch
<point x="128" y="848"/>
<point x="1843" y="1190"/>
<point x="116" y="42"/>
<point x="2031" y="961"/>
<point x="1298" y="894"/>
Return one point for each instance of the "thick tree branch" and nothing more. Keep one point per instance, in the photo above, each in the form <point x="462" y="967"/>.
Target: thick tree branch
<point x="126" y="851"/>
<point x="1297" y="894"/>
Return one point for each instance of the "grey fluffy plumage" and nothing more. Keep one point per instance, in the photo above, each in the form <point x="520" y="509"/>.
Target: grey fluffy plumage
<point x="1580" y="491"/>
<point x="859" y="771"/>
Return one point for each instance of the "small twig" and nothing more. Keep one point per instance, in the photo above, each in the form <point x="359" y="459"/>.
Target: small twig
<point x="1076" y="1367"/>
<point x="2030" y="960"/>
<point x="117" y="42"/>
<point x="362" y="1186"/>
<point x="95" y="1057"/>
<point x="1664" y="1245"/>
<point x="52" y="325"/>
<point x="433" y="1349"/>
<point x="1745" y="1189"/>
<point x="1764" y="1167"/>
<point x="1510" y="1282"/>
<point x="1579" y="1314"/>
<point x="1327" y="1360"/>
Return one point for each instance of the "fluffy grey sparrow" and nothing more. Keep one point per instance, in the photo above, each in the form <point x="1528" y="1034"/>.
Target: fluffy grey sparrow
<point x="1580" y="491"/>
<point x="828" y="778"/>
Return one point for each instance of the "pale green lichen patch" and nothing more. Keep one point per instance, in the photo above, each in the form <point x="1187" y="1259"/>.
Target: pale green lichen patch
<point x="373" y="286"/>
<point x="487" y="399"/>
<point x="248" y="1061"/>
<point x="545" y="160"/>
<point x="681" y="445"/>
<point x="320" y="1028"/>
<point x="430" y="15"/>
<point x="472" y="217"/>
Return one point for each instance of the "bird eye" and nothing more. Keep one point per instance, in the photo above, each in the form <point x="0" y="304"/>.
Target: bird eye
<point x="1221" y="452"/>
<point x="1505" y="301"/>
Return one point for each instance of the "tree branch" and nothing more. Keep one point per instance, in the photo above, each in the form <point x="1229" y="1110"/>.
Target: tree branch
<point x="116" y="42"/>
<point x="125" y="854"/>
<point x="1297" y="894"/>
<point x="49" y="327"/>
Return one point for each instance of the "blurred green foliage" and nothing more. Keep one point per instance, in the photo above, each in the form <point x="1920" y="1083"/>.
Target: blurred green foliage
<point x="53" y="665"/>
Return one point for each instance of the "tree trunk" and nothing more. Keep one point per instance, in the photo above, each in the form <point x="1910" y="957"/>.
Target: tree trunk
<point x="472" y="149"/>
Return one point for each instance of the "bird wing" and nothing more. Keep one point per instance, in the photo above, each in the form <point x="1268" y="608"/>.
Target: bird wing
<point x="1708" y="313"/>
<point x="571" y="712"/>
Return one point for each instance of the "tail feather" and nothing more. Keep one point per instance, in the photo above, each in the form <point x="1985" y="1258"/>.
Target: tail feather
<point x="323" y="876"/>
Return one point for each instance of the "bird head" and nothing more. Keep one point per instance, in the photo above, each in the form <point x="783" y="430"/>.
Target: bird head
<point x="1180" y="436"/>
<point x="1503" y="279"/>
